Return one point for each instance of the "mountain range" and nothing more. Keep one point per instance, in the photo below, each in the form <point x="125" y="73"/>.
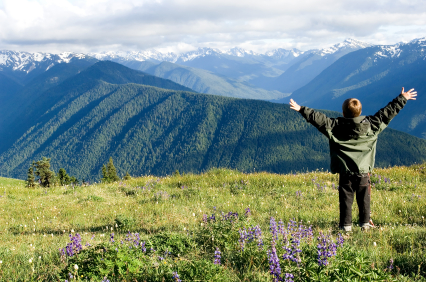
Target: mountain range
<point x="150" y="125"/>
<point x="374" y="75"/>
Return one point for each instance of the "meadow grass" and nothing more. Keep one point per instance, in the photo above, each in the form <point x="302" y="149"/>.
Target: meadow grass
<point x="168" y="211"/>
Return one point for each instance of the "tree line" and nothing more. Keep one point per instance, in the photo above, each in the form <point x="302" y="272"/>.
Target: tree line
<point x="40" y="173"/>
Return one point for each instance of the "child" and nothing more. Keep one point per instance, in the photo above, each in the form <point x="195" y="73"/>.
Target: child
<point x="353" y="140"/>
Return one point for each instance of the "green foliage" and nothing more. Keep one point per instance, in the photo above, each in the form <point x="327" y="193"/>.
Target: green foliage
<point x="147" y="130"/>
<point x="30" y="176"/>
<point x="109" y="173"/>
<point x="64" y="178"/>
<point x="187" y="218"/>
<point x="127" y="176"/>
<point x="43" y="172"/>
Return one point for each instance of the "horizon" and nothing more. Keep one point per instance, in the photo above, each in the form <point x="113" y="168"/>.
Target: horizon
<point x="165" y="52"/>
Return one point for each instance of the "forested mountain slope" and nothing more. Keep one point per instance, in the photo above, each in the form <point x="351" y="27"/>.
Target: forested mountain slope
<point x="38" y="96"/>
<point x="89" y="118"/>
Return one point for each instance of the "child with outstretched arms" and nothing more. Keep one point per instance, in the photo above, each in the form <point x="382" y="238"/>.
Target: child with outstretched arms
<point x="352" y="139"/>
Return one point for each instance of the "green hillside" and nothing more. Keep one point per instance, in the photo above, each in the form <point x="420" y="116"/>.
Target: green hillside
<point x="43" y="93"/>
<point x="149" y="228"/>
<point x="149" y="130"/>
<point x="10" y="182"/>
<point x="15" y="103"/>
<point x="204" y="81"/>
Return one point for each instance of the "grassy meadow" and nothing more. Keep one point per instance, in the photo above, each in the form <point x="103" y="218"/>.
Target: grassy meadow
<point x="214" y="226"/>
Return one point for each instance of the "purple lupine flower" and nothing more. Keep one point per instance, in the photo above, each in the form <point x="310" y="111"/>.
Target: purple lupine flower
<point x="288" y="277"/>
<point x="136" y="239"/>
<point x="282" y="231"/>
<point x="242" y="239"/>
<point x="258" y="236"/>
<point x="74" y="247"/>
<point x="176" y="277"/>
<point x="248" y="212"/>
<point x="390" y="267"/>
<point x="205" y="218"/>
<point x="326" y="249"/>
<point x="111" y="239"/>
<point x="160" y="258"/>
<point x="292" y="251"/>
<point x="340" y="240"/>
<point x="274" y="264"/>
<point x="217" y="256"/>
<point x="273" y="230"/>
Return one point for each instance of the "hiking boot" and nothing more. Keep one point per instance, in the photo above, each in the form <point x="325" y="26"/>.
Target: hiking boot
<point x="367" y="226"/>
<point x="346" y="228"/>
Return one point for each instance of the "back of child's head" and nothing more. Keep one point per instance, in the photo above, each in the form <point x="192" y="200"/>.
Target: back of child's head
<point x="351" y="108"/>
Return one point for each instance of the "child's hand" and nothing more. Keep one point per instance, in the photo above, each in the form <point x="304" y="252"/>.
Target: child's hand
<point x="294" y="105"/>
<point x="410" y="94"/>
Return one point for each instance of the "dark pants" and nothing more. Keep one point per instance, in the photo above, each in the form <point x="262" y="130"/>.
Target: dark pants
<point x="349" y="185"/>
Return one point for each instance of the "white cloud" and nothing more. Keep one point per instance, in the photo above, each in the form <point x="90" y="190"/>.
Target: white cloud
<point x="178" y="25"/>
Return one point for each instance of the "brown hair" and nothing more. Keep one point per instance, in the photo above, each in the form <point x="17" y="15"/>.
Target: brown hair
<point x="351" y="108"/>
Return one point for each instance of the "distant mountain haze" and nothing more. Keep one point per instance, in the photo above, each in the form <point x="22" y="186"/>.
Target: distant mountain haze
<point x="204" y="81"/>
<point x="108" y="110"/>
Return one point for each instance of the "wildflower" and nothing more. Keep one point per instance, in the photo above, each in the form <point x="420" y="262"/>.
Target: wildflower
<point x="217" y="256"/>
<point x="289" y="277"/>
<point x="390" y="267"/>
<point x="31" y="260"/>
<point x="75" y="267"/>
<point x="248" y="212"/>
<point x="176" y="277"/>
<point x="274" y="264"/>
<point x="112" y="238"/>
<point x="326" y="249"/>
<point x="340" y="240"/>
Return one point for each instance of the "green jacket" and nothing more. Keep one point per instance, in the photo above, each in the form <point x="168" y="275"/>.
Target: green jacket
<point x="353" y="140"/>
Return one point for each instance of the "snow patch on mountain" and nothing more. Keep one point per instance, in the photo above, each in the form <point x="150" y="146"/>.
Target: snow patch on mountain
<point x="283" y="53"/>
<point x="26" y="62"/>
<point x="349" y="43"/>
<point x="394" y="51"/>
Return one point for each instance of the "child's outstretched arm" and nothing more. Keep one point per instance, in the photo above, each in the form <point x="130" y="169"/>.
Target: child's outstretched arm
<point x="410" y="94"/>
<point x="386" y="114"/>
<point x="317" y="119"/>
<point x="294" y="105"/>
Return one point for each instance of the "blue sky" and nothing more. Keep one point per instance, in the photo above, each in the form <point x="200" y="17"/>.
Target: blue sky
<point x="183" y="25"/>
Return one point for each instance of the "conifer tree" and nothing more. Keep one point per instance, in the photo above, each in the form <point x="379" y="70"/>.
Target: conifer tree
<point x="42" y="170"/>
<point x="127" y="176"/>
<point x="30" y="176"/>
<point x="109" y="172"/>
<point x="64" y="178"/>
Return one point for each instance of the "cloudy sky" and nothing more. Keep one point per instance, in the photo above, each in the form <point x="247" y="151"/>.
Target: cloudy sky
<point x="183" y="25"/>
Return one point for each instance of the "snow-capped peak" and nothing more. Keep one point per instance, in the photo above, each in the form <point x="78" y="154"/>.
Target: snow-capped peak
<point x="135" y="56"/>
<point x="347" y="44"/>
<point x="25" y="61"/>
<point x="392" y="51"/>
<point x="283" y="53"/>
<point x="239" y="52"/>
